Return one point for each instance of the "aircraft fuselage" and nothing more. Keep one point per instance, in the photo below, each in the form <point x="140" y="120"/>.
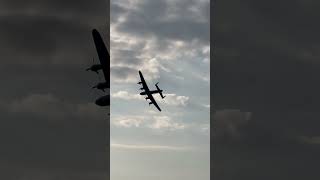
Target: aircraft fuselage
<point x="151" y="92"/>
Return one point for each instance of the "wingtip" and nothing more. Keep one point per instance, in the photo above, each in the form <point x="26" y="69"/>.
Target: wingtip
<point x="94" y="30"/>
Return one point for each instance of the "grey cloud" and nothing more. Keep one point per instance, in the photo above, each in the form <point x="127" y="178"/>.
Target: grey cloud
<point x="54" y="109"/>
<point x="269" y="77"/>
<point x="47" y="174"/>
<point x="264" y="71"/>
<point x="155" y="35"/>
<point x="228" y="124"/>
<point x="70" y="144"/>
<point x="126" y="57"/>
<point x="80" y="8"/>
<point x="184" y="30"/>
<point x="115" y="12"/>
<point x="150" y="20"/>
<point x="46" y="44"/>
<point x="119" y="73"/>
<point x="268" y="145"/>
<point x="48" y="121"/>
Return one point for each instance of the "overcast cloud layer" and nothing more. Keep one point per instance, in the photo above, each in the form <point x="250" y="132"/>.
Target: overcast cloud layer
<point x="265" y="90"/>
<point x="168" y="40"/>
<point x="50" y="129"/>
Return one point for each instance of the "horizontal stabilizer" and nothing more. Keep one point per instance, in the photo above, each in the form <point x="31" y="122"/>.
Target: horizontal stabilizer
<point x="160" y="91"/>
<point x="162" y="96"/>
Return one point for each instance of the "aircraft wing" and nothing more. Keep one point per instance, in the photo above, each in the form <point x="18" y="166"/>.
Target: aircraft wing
<point x="153" y="101"/>
<point x="103" y="54"/>
<point x="105" y="68"/>
<point x="144" y="84"/>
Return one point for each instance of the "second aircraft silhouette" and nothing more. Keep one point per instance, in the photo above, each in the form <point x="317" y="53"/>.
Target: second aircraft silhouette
<point x="104" y="58"/>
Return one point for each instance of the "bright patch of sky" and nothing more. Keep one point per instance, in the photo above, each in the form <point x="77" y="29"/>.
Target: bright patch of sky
<point x="169" y="42"/>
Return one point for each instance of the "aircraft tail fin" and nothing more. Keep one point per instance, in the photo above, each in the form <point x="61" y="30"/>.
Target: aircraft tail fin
<point x="160" y="91"/>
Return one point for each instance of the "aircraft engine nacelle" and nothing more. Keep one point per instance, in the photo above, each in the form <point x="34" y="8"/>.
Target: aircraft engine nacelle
<point x="101" y="86"/>
<point x="95" y="68"/>
<point x="103" y="101"/>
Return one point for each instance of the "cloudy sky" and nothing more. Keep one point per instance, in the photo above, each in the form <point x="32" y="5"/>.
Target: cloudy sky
<point x="265" y="90"/>
<point x="169" y="41"/>
<point x="49" y="127"/>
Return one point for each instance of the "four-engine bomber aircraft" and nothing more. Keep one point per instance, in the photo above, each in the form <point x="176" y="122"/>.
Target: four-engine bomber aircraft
<point x="104" y="58"/>
<point x="149" y="93"/>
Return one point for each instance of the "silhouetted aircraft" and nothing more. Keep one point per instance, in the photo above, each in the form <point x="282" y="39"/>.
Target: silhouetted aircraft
<point x="149" y="93"/>
<point x="104" y="58"/>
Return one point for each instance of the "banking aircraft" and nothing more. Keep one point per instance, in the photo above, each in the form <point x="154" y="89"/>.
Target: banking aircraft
<point x="149" y="93"/>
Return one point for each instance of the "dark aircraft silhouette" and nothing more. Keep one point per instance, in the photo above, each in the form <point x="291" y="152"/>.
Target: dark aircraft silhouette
<point x="95" y="68"/>
<point x="104" y="58"/>
<point x="149" y="93"/>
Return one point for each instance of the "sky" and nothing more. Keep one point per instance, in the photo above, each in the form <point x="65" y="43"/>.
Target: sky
<point x="265" y="90"/>
<point x="49" y="127"/>
<point x="169" y="41"/>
